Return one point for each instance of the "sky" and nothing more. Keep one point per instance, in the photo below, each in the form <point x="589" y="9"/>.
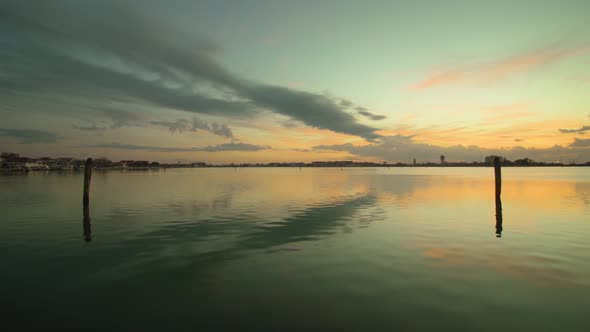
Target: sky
<point x="284" y="81"/>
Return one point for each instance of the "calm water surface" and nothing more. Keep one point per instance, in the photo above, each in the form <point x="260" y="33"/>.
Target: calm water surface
<point x="279" y="248"/>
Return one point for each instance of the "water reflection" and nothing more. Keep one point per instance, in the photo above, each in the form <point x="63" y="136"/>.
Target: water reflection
<point x="307" y="225"/>
<point x="498" y="216"/>
<point x="209" y="245"/>
<point x="86" y="224"/>
<point x="177" y="245"/>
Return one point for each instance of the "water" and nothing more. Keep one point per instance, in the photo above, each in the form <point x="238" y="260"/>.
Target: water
<point x="356" y="249"/>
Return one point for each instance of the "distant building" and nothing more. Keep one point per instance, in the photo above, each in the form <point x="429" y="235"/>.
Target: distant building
<point x="13" y="161"/>
<point x="342" y="163"/>
<point x="490" y="159"/>
<point x="65" y="163"/>
<point x="8" y="156"/>
<point x="139" y="164"/>
<point x="36" y="165"/>
<point x="442" y="159"/>
<point x="414" y="162"/>
<point x="524" y="162"/>
<point x="125" y="163"/>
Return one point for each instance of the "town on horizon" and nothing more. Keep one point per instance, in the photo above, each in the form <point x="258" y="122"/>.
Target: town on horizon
<point x="15" y="162"/>
<point x="175" y="82"/>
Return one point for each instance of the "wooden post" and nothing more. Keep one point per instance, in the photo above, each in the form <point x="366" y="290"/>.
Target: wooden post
<point x="86" y="200"/>
<point x="498" y="178"/>
<point x="498" y="175"/>
<point x="87" y="178"/>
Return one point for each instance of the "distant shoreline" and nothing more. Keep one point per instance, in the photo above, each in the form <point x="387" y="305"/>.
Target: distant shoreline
<point x="132" y="169"/>
<point x="13" y="162"/>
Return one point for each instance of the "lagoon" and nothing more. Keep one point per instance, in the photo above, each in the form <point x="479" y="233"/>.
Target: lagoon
<point x="410" y="249"/>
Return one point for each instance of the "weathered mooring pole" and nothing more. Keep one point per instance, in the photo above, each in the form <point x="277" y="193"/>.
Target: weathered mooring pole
<point x="498" y="180"/>
<point x="86" y="200"/>
<point x="87" y="178"/>
<point x="498" y="175"/>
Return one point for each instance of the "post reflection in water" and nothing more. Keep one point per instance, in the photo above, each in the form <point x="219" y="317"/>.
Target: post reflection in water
<point x="498" y="216"/>
<point x="498" y="180"/>
<point x="86" y="223"/>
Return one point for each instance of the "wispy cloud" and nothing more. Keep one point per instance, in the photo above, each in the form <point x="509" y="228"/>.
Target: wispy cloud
<point x="364" y="112"/>
<point x="121" y="118"/>
<point x="404" y="148"/>
<point x="440" y="78"/>
<point x="581" y="130"/>
<point x="92" y="127"/>
<point x="580" y="143"/>
<point x="182" y="125"/>
<point x="122" y="146"/>
<point x="28" y="136"/>
<point x="501" y="69"/>
<point x="233" y="146"/>
<point x="288" y="123"/>
<point x="65" y="49"/>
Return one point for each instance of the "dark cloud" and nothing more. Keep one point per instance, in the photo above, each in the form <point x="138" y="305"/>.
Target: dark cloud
<point x="582" y="130"/>
<point x="121" y="146"/>
<point x="405" y="148"/>
<point x="112" y="51"/>
<point x="110" y="118"/>
<point x="233" y="146"/>
<point x="312" y="109"/>
<point x="92" y="127"/>
<point x="219" y="129"/>
<point x="347" y="147"/>
<point x="28" y="136"/>
<point x="300" y="150"/>
<point x="363" y="111"/>
<point x="580" y="143"/>
<point x="182" y="125"/>
<point x="64" y="76"/>
<point x="346" y="103"/>
<point x="121" y="119"/>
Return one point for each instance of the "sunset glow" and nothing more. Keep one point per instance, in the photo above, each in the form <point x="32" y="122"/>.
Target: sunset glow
<point x="259" y="82"/>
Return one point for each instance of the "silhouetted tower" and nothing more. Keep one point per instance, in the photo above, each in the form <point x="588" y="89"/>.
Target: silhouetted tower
<point x="414" y="162"/>
<point x="442" y="159"/>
